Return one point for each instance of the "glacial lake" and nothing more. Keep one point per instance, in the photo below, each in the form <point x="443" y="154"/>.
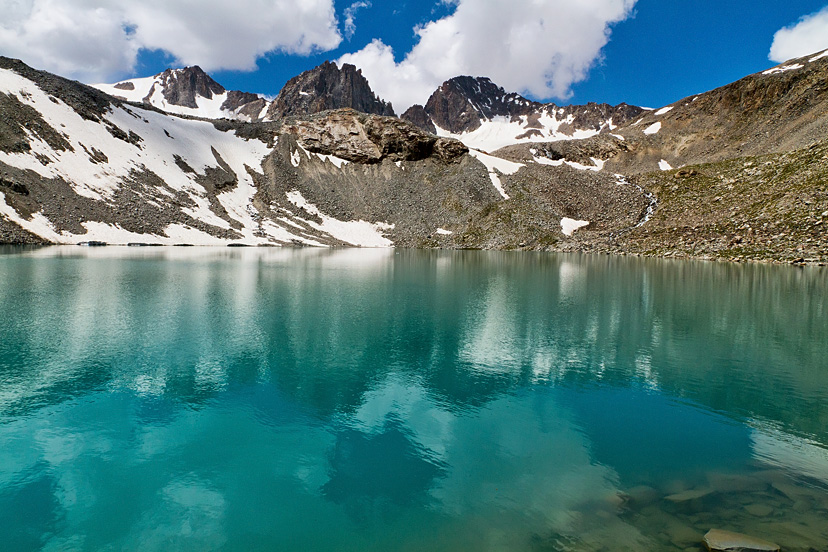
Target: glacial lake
<point x="376" y="400"/>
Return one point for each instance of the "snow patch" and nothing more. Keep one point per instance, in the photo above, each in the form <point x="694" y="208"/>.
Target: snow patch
<point x="502" y="131"/>
<point x="820" y="56"/>
<point x="492" y="164"/>
<point x="664" y="110"/>
<point x="547" y="161"/>
<point x="294" y="158"/>
<point x="569" y="226"/>
<point x="783" y="69"/>
<point x="598" y="164"/>
<point x="664" y="165"/>
<point x="357" y="232"/>
<point x="444" y="232"/>
<point x="653" y="128"/>
<point x="337" y="162"/>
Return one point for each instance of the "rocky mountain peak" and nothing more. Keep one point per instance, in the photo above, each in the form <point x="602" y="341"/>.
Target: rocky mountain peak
<point x="461" y="103"/>
<point x="464" y="104"/>
<point x="183" y="86"/>
<point x="328" y="87"/>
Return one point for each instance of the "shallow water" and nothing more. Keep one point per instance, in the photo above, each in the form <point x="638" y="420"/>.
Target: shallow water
<point x="266" y="399"/>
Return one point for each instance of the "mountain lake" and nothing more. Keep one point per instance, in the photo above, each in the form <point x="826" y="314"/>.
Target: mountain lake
<point x="173" y="398"/>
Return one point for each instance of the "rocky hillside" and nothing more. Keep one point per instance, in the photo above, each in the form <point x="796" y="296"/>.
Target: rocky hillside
<point x="735" y="173"/>
<point x="738" y="173"/>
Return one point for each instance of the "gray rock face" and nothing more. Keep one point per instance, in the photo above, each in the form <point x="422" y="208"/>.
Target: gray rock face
<point x="417" y="116"/>
<point x="365" y="139"/>
<point x="328" y="87"/>
<point x="462" y="102"/>
<point x="245" y="104"/>
<point x="724" y="541"/>
<point x="182" y="86"/>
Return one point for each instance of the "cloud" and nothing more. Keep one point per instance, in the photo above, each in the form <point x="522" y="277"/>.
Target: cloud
<point x="95" y="40"/>
<point x="808" y="36"/>
<point x="350" y="15"/>
<point x="539" y="47"/>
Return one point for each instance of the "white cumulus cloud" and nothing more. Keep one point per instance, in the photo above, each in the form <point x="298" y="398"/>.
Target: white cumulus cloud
<point x="540" y="47"/>
<point x="806" y="37"/>
<point x="95" y="40"/>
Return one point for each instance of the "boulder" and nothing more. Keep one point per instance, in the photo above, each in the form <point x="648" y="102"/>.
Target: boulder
<point x="688" y="496"/>
<point x="361" y="138"/>
<point x="717" y="540"/>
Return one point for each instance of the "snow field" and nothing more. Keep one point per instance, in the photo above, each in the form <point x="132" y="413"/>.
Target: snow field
<point x="163" y="138"/>
<point x="355" y="232"/>
<point x="501" y="131"/>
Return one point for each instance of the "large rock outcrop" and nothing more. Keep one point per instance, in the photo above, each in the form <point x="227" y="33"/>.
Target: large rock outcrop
<point x="717" y="540"/>
<point x="364" y="138"/>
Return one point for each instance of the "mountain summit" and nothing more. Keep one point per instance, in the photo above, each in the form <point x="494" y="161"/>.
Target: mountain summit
<point x="488" y="117"/>
<point x="328" y="87"/>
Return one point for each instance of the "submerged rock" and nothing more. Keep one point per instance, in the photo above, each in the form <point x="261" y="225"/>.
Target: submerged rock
<point x="759" y="510"/>
<point x="688" y="496"/>
<point x="717" y="540"/>
<point x="642" y="495"/>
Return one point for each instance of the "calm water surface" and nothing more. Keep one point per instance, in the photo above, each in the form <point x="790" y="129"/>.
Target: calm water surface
<point x="261" y="399"/>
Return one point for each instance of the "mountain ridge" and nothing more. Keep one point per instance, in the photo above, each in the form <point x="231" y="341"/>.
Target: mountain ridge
<point x="738" y="172"/>
<point x="460" y="106"/>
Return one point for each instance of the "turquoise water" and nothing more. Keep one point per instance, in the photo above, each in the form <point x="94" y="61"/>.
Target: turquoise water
<point x="265" y="399"/>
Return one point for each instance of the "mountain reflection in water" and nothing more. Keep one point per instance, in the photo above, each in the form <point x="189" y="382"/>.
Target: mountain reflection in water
<point x="353" y="399"/>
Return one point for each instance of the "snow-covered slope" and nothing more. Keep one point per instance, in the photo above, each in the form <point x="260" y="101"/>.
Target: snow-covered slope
<point x="548" y="125"/>
<point x="150" y="90"/>
<point x="189" y="91"/>
<point x="127" y="174"/>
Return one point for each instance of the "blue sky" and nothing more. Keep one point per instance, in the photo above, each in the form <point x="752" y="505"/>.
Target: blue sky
<point x="676" y="48"/>
<point x="645" y="52"/>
